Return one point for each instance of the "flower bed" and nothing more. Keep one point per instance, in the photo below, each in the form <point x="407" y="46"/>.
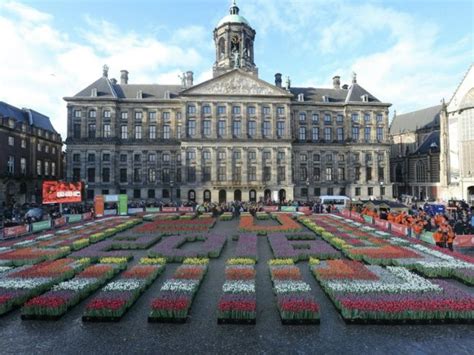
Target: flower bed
<point x="238" y="303"/>
<point x="226" y="216"/>
<point x="169" y="247"/>
<point x="287" y="224"/>
<point x="100" y="250"/>
<point x="134" y="242"/>
<point x="19" y="285"/>
<point x="118" y="296"/>
<point x="175" y="297"/>
<point x="303" y="249"/>
<point x="247" y="247"/>
<point x="295" y="302"/>
<point x="177" y="226"/>
<point x="56" y="302"/>
<point x="392" y="294"/>
<point x="30" y="256"/>
<point x="263" y="216"/>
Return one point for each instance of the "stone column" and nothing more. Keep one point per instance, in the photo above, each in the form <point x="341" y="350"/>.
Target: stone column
<point x="228" y="165"/>
<point x="213" y="165"/>
<point x="244" y="166"/>
<point x="199" y="165"/>
<point x="259" y="165"/>
<point x="288" y="166"/>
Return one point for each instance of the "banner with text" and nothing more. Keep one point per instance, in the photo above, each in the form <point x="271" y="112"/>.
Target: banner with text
<point x="270" y="208"/>
<point x="382" y="223"/>
<point x="12" y="232"/>
<point x="399" y="228"/>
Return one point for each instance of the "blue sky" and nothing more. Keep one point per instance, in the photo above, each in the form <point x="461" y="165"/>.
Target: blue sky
<point x="411" y="53"/>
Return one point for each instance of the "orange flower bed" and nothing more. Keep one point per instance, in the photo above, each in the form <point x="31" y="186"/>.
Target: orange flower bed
<point x="287" y="224"/>
<point x="232" y="273"/>
<point x="287" y="273"/>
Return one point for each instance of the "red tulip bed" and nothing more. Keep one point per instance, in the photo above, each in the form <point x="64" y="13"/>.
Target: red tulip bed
<point x="176" y="295"/>
<point x="287" y="224"/>
<point x="118" y="296"/>
<point x="169" y="247"/>
<point x="238" y="303"/>
<point x="62" y="297"/>
<point x="29" y="256"/>
<point x="295" y="302"/>
<point x="177" y="226"/>
<point x="19" y="285"/>
<point x="374" y="294"/>
<point x="300" y="247"/>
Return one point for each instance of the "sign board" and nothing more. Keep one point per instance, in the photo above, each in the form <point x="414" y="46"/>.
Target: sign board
<point x="110" y="212"/>
<point x="304" y="209"/>
<point x="270" y="208"/>
<point x="152" y="209"/>
<point x="39" y="226"/>
<point x="185" y="209"/>
<point x="368" y="219"/>
<point x="464" y="241"/>
<point x="12" y="232"/>
<point x="428" y="238"/>
<point x="381" y="223"/>
<point x="122" y="205"/>
<point x="86" y="216"/>
<point x="398" y="228"/>
<point x="71" y="218"/>
<point x="99" y="205"/>
<point x="111" y="198"/>
<point x="288" y="209"/>
<point x="135" y="210"/>
<point x="58" y="222"/>
<point x="61" y="192"/>
<point x="168" y="209"/>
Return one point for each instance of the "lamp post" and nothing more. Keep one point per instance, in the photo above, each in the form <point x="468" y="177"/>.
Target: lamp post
<point x="381" y="187"/>
<point x="171" y="190"/>
<point x="307" y="189"/>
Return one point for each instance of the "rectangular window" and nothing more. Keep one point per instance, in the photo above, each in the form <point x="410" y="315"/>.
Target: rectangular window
<point x="236" y="154"/>
<point x="302" y="134"/>
<point x="206" y="109"/>
<point x="178" y="131"/>
<point x="266" y="110"/>
<point x="166" y="132"/>
<point x="165" y="175"/>
<point x="315" y="134"/>
<point x="367" y="118"/>
<point x="221" y="110"/>
<point x="280" y="111"/>
<point x="367" y="133"/>
<point x="77" y="113"/>
<point x="381" y="173"/>
<point x="11" y="141"/>
<point x="340" y="134"/>
<point x="267" y="173"/>
<point x="251" y="110"/>
<point x="221" y="129"/>
<point x="105" y="174"/>
<point x="137" y="193"/>
<point x="76" y="174"/>
<point x="303" y="173"/>
<point x="23" y="143"/>
<point x="23" y="166"/>
<point x="206" y="173"/>
<point x="236" y="174"/>
<point x="106" y="157"/>
<point x="11" y="165"/>
<point x="236" y="128"/>
<point x="76" y="130"/>
<point x="316" y="157"/>
<point x="91" y="157"/>
<point x="252" y="155"/>
<point x="151" y="175"/>
<point x="266" y="128"/>
<point x="236" y="110"/>
<point x="166" y="157"/>
<point x="138" y="115"/>
<point x="107" y="130"/>
<point x="357" y="174"/>
<point x="304" y="191"/>
<point x="341" y="174"/>
<point x="327" y="118"/>
<point x="315" y="118"/>
<point x="252" y="173"/>
<point x="280" y="128"/>
<point x="368" y="173"/>
<point x="206" y="129"/>
<point x="379" y="118"/>
<point x="267" y="155"/>
<point x="92" y="114"/>
<point x="76" y="158"/>
<point x="281" y="173"/>
<point x="330" y="191"/>
<point x="303" y="157"/>
<point x="191" y="128"/>
<point x="91" y="132"/>
<point x="329" y="176"/>
<point x="53" y="169"/>
<point x="379" y="133"/>
<point x="317" y="191"/>
<point x="339" y="118"/>
<point x="355" y="133"/>
<point x="370" y="191"/>
<point x="191" y="174"/>
<point x="137" y="158"/>
<point x="91" y="175"/>
<point x="123" y="132"/>
<point x="302" y="116"/>
<point x="329" y="158"/>
<point x="355" y="118"/>
<point x="221" y="155"/>
<point x="38" y="147"/>
<point x="152" y="116"/>
<point x="221" y="173"/>
<point x="357" y="191"/>
<point x="151" y="193"/>
<point x="124" y="115"/>
<point x="206" y="155"/>
<point x="327" y="134"/>
<point x="191" y="110"/>
<point x="46" y="148"/>
<point x="166" y="116"/>
<point x="190" y="155"/>
<point x="136" y="175"/>
<point x="252" y="128"/>
<point x="340" y="158"/>
<point x="106" y="114"/>
<point x="152" y="132"/>
<point x="317" y="174"/>
<point x="138" y="132"/>
<point x="123" y="158"/>
<point x="382" y="190"/>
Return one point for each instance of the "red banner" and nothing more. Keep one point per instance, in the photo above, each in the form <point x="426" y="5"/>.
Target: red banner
<point x="464" y="241"/>
<point x="398" y="228"/>
<point x="16" y="231"/>
<point x="58" y="222"/>
<point x="270" y="208"/>
<point x="357" y="217"/>
<point x="168" y="209"/>
<point x="86" y="216"/>
<point x="381" y="223"/>
<point x="185" y="209"/>
<point x="304" y="209"/>
<point x="61" y="192"/>
<point x="346" y="213"/>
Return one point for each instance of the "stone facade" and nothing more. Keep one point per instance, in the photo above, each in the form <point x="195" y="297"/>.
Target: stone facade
<point x="30" y="152"/>
<point x="233" y="137"/>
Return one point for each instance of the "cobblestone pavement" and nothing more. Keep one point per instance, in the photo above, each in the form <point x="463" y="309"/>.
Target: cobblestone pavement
<point x="201" y="334"/>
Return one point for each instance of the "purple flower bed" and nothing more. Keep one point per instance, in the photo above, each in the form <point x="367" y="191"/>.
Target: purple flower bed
<point x="100" y="250"/>
<point x="301" y="249"/>
<point x="134" y="242"/>
<point x="246" y="246"/>
<point x="169" y="247"/>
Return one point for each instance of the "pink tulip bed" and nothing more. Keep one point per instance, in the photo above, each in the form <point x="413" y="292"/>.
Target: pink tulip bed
<point x="21" y="284"/>
<point x="295" y="302"/>
<point x="374" y="294"/>
<point x="65" y="295"/>
<point x="238" y="303"/>
<point x="114" y="299"/>
<point x="174" y="300"/>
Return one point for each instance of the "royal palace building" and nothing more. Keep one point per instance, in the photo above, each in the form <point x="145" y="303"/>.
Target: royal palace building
<point x="233" y="137"/>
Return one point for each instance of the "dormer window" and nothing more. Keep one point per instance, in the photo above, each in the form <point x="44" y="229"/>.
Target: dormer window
<point x="139" y="94"/>
<point x="167" y="95"/>
<point x="365" y="98"/>
<point x="94" y="92"/>
<point x="325" y="98"/>
<point x="301" y="97"/>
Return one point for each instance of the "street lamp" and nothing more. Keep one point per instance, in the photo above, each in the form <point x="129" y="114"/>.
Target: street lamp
<point x="381" y="193"/>
<point x="171" y="190"/>
<point x="307" y="189"/>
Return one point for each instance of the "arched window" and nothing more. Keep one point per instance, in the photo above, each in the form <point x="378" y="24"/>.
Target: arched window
<point x="221" y="47"/>
<point x="420" y="171"/>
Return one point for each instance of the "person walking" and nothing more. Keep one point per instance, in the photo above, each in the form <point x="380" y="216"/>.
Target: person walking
<point x="450" y="238"/>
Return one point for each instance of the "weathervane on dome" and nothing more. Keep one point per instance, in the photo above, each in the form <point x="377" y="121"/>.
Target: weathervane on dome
<point x="105" y="71"/>
<point x="354" y="77"/>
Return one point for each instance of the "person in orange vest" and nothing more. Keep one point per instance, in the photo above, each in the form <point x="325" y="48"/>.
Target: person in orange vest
<point x="438" y="238"/>
<point x="450" y="238"/>
<point x="418" y="228"/>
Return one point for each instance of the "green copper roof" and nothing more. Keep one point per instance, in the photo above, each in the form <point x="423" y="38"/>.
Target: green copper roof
<point x="233" y="19"/>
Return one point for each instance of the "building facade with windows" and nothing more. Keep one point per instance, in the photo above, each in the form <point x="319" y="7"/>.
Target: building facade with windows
<point x="30" y="152"/>
<point x="233" y="137"/>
